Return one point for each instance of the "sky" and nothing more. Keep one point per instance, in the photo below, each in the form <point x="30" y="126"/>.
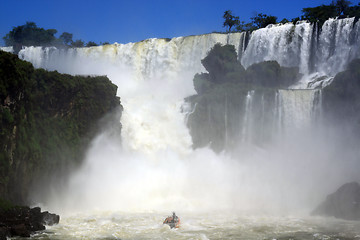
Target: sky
<point x="126" y="21"/>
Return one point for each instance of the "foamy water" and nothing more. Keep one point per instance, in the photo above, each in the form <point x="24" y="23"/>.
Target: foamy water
<point x="124" y="225"/>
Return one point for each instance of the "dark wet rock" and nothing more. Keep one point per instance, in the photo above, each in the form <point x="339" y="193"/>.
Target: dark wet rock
<point x="50" y="218"/>
<point x="344" y="203"/>
<point x="4" y="231"/>
<point x="22" y="221"/>
<point x="21" y="230"/>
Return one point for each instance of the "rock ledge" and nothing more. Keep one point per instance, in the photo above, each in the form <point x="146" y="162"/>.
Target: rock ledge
<point x="22" y="221"/>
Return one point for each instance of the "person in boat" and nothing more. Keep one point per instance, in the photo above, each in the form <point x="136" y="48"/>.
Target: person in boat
<point x="173" y="221"/>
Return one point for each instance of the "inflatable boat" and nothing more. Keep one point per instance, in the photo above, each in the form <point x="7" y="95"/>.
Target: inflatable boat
<point x="173" y="221"/>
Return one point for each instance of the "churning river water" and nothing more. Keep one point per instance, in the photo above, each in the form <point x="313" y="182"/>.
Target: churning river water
<point x="120" y="225"/>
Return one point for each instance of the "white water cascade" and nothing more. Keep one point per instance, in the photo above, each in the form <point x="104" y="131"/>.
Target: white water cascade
<point x="156" y="169"/>
<point x="297" y="107"/>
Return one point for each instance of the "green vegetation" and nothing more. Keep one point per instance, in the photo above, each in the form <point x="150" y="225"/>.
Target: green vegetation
<point x="341" y="6"/>
<point x="47" y="120"/>
<point x="77" y="44"/>
<point x="317" y="14"/>
<point x="91" y="44"/>
<point x="230" y="20"/>
<point x="5" y="205"/>
<point x="30" y="34"/>
<point x="262" y="20"/>
<point x="66" y="38"/>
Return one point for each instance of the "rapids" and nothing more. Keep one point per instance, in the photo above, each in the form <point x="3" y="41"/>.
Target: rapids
<point x="118" y="225"/>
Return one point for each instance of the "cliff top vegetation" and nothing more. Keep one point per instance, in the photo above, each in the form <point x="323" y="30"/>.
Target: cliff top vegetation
<point x="30" y="34"/>
<point x="319" y="14"/>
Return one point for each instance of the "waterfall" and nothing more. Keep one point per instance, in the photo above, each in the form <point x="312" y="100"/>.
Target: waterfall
<point x="289" y="111"/>
<point x="155" y="71"/>
<point x="297" y="108"/>
<point x="156" y="168"/>
<point x="338" y="44"/>
<point x="158" y="66"/>
<point x="292" y="45"/>
<point x="288" y="44"/>
<point x="247" y="121"/>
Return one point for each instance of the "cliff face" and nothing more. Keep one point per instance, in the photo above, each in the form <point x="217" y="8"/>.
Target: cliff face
<point x="47" y="120"/>
<point x="234" y="106"/>
<point x="341" y="99"/>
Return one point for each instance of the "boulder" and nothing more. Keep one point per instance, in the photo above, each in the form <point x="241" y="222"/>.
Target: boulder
<point x="22" y="221"/>
<point x="344" y="203"/>
<point x="50" y="218"/>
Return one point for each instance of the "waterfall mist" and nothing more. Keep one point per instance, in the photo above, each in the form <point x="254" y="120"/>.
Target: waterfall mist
<point x="152" y="166"/>
<point x="288" y="176"/>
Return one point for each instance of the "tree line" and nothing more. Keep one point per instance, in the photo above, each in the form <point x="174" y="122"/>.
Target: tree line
<point x="319" y="14"/>
<point x="30" y="34"/>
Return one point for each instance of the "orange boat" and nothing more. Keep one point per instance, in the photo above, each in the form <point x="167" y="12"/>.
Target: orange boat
<point x="173" y="221"/>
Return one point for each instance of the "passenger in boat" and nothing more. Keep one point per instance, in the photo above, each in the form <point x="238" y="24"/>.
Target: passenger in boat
<point x="174" y="217"/>
<point x="173" y="221"/>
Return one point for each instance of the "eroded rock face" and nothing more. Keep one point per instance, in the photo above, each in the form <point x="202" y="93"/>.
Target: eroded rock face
<point x="22" y="221"/>
<point x="344" y="203"/>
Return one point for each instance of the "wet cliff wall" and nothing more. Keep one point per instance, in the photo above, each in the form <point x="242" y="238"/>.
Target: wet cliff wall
<point x="47" y="119"/>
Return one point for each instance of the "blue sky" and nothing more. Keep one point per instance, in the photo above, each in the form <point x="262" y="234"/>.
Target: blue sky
<point x="126" y="21"/>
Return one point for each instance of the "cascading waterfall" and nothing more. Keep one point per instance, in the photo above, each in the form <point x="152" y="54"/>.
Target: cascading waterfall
<point x="246" y="116"/>
<point x="290" y="111"/>
<point x="338" y="44"/>
<point x="289" y="45"/>
<point x="156" y="167"/>
<point x="324" y="52"/>
<point x="297" y="108"/>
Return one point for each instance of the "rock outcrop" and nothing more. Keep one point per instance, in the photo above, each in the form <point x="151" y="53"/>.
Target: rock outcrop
<point x="341" y="99"/>
<point x="344" y="203"/>
<point x="22" y="221"/>
<point x="224" y="95"/>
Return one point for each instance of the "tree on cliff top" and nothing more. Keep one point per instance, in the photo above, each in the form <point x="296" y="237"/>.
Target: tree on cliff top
<point x="230" y="20"/>
<point x="66" y="38"/>
<point x="262" y="20"/>
<point x="29" y="35"/>
<point x="78" y="43"/>
<point x="341" y="6"/>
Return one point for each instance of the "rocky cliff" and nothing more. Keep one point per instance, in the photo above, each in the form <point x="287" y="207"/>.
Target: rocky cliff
<point x="234" y="106"/>
<point x="47" y="119"/>
<point x="341" y="99"/>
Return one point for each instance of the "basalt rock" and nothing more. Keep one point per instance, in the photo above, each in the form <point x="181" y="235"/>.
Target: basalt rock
<point x="344" y="203"/>
<point x="22" y="221"/>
